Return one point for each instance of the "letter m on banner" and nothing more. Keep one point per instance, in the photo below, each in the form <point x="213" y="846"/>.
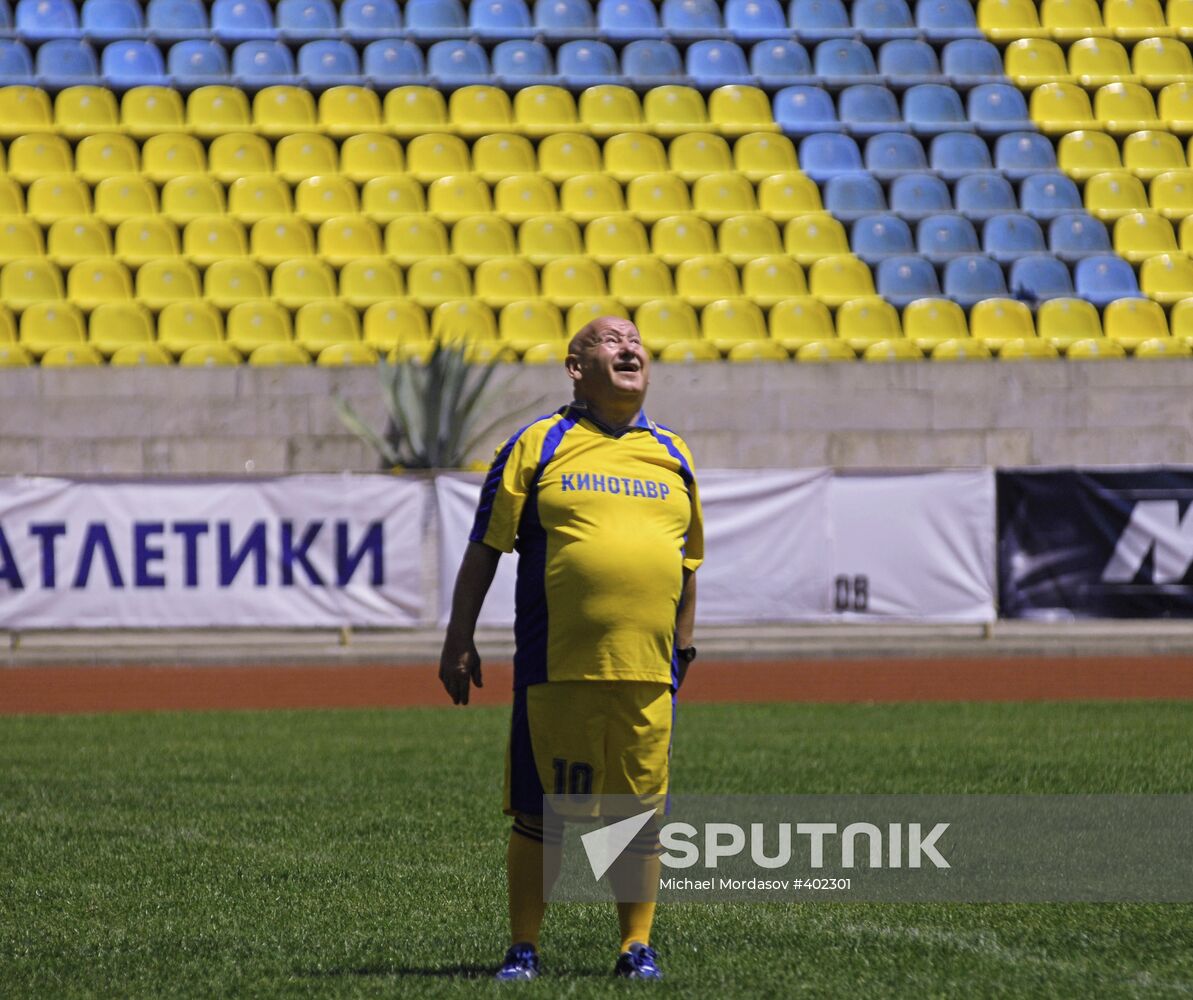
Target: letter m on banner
<point x="1155" y="526"/>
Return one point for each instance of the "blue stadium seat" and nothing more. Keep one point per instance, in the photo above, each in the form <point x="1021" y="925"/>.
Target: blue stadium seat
<point x="499" y="19"/>
<point x="1037" y="279"/>
<point x="916" y="196"/>
<point x="176" y="20"/>
<point x="367" y="20"/>
<point x="431" y="19"/>
<point x="242" y="20"/>
<point x="969" y="62"/>
<point x="890" y="154"/>
<point x="841" y="62"/>
<point x="328" y="63"/>
<point x="558" y="20"/>
<point x="41" y="20"/>
<point x="1076" y="235"/>
<point x="984" y="196"/>
<point x="104" y="20"/>
<point x="1047" y="195"/>
<point x="804" y="110"/>
<point x="968" y="280"/>
<point x="1018" y="155"/>
<point x="953" y="155"/>
<point x="131" y="63"/>
<point x="692" y="19"/>
<point x="827" y="154"/>
<point x="66" y="62"/>
<point x="196" y="63"/>
<point x="942" y="20"/>
<point x="457" y="63"/>
<point x="876" y="237"/>
<point x="780" y="62"/>
<point x="904" y="62"/>
<point x="652" y="62"/>
<point x="714" y="63"/>
<point x="752" y="20"/>
<point x="867" y="109"/>
<point x="390" y="63"/>
<point x="262" y="64"/>
<point x="522" y="62"/>
<point x="16" y="64"/>
<point x="902" y="280"/>
<point x="1012" y="235"/>
<point x="586" y="63"/>
<point x="814" y="20"/>
<point x="625" y="20"/>
<point x="1103" y="279"/>
<point x="996" y="108"/>
<point x="880" y="20"/>
<point x="300" y="20"/>
<point x="940" y="238"/>
<point x="852" y="196"/>
<point x="932" y="108"/>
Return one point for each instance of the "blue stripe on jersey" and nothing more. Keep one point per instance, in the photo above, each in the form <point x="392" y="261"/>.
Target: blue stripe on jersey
<point x="666" y="441"/>
<point x="484" y="509"/>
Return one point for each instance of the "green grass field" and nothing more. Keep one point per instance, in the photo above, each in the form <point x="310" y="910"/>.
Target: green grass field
<point x="361" y="853"/>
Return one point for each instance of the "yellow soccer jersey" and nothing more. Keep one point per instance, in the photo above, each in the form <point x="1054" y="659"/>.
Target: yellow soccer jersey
<point x="604" y="524"/>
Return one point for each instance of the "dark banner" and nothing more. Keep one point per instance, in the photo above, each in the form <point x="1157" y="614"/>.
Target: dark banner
<point x="1095" y="544"/>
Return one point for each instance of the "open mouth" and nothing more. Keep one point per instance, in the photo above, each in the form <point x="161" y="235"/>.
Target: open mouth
<point x="627" y="366"/>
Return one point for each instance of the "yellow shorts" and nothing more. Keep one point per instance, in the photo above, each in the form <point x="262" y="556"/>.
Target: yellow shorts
<point x="588" y="738"/>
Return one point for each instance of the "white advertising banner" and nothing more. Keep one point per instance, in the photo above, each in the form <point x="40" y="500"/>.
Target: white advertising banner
<point x="300" y="551"/>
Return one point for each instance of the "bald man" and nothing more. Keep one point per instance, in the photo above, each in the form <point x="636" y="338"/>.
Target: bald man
<point x="602" y="507"/>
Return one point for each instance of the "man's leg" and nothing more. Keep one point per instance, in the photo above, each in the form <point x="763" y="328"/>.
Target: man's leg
<point x="529" y="884"/>
<point x="635" y="880"/>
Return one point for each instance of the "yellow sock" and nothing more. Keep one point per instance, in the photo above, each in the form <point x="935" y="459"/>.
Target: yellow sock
<point x="636" y="883"/>
<point x="524" y="871"/>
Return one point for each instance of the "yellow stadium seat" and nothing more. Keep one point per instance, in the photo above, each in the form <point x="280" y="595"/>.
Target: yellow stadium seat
<point x="968" y="349"/>
<point x="579" y="314"/>
<point x="634" y="280"/>
<point x="91" y="283"/>
<point x="899" y="349"/>
<point x="568" y="154"/>
<point x="371" y="154"/>
<point x="319" y="325"/>
<point x="278" y="355"/>
<point x="21" y="237"/>
<point x="1185" y="234"/>
<point x="24" y="111"/>
<point x="1122" y="108"/>
<point x="1179" y="14"/>
<point x="1143" y="234"/>
<point x="1057" y="108"/>
<point x="612" y="237"/>
<point x="1130" y="322"/>
<point x="541" y="111"/>
<point x="14" y="356"/>
<point x="743" y="238"/>
<point x="547" y="237"/>
<point x="773" y="279"/>
<point x="1060" y="322"/>
<point x="736" y="110"/>
<point x="1167" y="278"/>
<point x="1134" y="20"/>
<point x="701" y="280"/>
<point x="386" y="324"/>
<point x="458" y="196"/>
<point x="211" y="239"/>
<point x="1006" y="20"/>
<point x="1172" y="193"/>
<point x="58" y="196"/>
<point x="810" y="238"/>
<point x="68" y="240"/>
<point x="415" y="237"/>
<point x="39" y="155"/>
<point x="465" y="319"/>
<point x="1163" y="347"/>
<point x="80" y="111"/>
<point x="524" y="197"/>
<point x="352" y="353"/>
<point x="384" y="199"/>
<point x="366" y="281"/>
<point x="210" y="356"/>
<point x="757" y="350"/>
<point x="45" y="325"/>
<point x="257" y="197"/>
<point x="928" y="322"/>
<point x="1150" y="153"/>
<point x="239" y="154"/>
<point x="301" y="280"/>
<point x="608" y="109"/>
<point x="214" y="110"/>
<point x="281" y="237"/>
<point x="633" y="154"/>
<point x="786" y="196"/>
<point x="862" y="322"/>
<point x="437" y="154"/>
<point x="71" y="356"/>
<point x="150" y="111"/>
<point x="503" y="280"/>
<point x="760" y="154"/>
<point x="283" y="110"/>
<point x="435" y="281"/>
<point x="318" y="199"/>
<point x="347" y="238"/>
<point x="127" y="196"/>
<point x="170" y="279"/>
<point x="12" y="199"/>
<point x="481" y="237"/>
<point x="727" y="322"/>
<point x="553" y="352"/>
<point x="106" y="155"/>
<point x="569" y="280"/>
<point x="502" y="155"/>
<point x="526" y="323"/>
<point x="1032" y="61"/>
<point x="1157" y="62"/>
<point x="1070" y="20"/>
<point x="1027" y="349"/>
<point x="345" y="111"/>
<point x="184" y="326"/>
<point x="685" y="351"/>
<point x="416" y="352"/>
<point x="142" y="239"/>
<point x="1102" y="349"/>
<point x="796" y="322"/>
<point x="662" y="322"/>
<point x="678" y="237"/>
<point x="8" y="326"/>
<point x="696" y="154"/>
<point x="415" y="110"/>
<point x="1095" y="62"/>
<point x="993" y="322"/>
<point x="717" y="197"/>
<point x="191" y="196"/>
<point x="589" y="196"/>
<point x="253" y="325"/>
<point x="29" y="280"/>
<point x="485" y="351"/>
<point x="1175" y="107"/>
<point x="1113" y="194"/>
<point x="305" y="154"/>
<point x="479" y="109"/>
<point x="230" y="281"/>
<point x="672" y="110"/>
<point x="114" y="325"/>
<point x="164" y="157"/>
<point x="838" y="279"/>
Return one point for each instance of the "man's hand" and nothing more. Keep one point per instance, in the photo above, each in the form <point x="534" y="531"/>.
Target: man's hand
<point x="459" y="667"/>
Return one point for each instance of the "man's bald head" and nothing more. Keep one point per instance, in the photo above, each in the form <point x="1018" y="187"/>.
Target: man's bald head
<point x="609" y="367"/>
<point x="590" y="334"/>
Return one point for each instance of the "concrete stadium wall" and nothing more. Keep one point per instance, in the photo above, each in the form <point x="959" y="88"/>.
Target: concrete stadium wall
<point x="149" y="422"/>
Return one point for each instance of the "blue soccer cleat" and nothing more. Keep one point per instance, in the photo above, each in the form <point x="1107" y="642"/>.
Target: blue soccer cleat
<point x="521" y="962"/>
<point x="639" y="962"/>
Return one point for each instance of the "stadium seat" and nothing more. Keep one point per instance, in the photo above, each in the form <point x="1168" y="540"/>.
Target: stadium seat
<point x="1167" y="278"/>
<point x="481" y="237"/>
<point x="281" y="354"/>
<point x="824" y="352"/>
<point x="678" y="237"/>
<point x="892" y="350"/>
<point x="209" y="356"/>
<point x="1084" y="153"/>
<point x="971" y="62"/>
<point x="175" y="20"/>
<point x="931" y="109"/>
<point x="254" y="325"/>
<point x="997" y="108"/>
<point x="1011" y="236"/>
<point x="499" y="19"/>
<point x="182" y="326"/>
<point x="942" y="20"/>
<point x="164" y="157"/>
<point x="213" y="110"/>
<point x="149" y="112"/>
<point x="241" y="20"/>
<point x="671" y="110"/>
<point x="39" y="156"/>
<point x="386" y="324"/>
<point x="90" y="283"/>
<point x="370" y="154"/>
<point x="1102" y="279"/>
<point x="320" y="325"/>
<point x="191" y="196"/>
<point x="349" y="111"/>
<point x="587" y="63"/>
<point x="1134" y="20"/>
<point x="117" y="325"/>
<point x="206" y="240"/>
<point x="843" y="62"/>
<point x="1129" y="322"/>
<point x="1122" y="108"/>
<point x="805" y="111"/>
<point x="589" y="196"/>
<point x="726" y="323"/>
<point x="142" y="239"/>
<point x="1102" y="349"/>
<point x="819" y="19"/>
<point x="456" y="62"/>
<point x="524" y="196"/>
<point x="876" y="237"/>
<point x="1175" y="107"/>
<point x="781" y="62"/>
<point x="431" y="282"/>
<point x="47" y="325"/>
<point x="427" y="20"/>
<point x="1047" y="195"/>
<point x="297" y="281"/>
<point x="1018" y="155"/>
<point x="606" y="110"/>
<point x="969" y="280"/>
<point x="1114" y="193"/>
<point x="741" y="238"/>
<point x="994" y="322"/>
<point x="799" y="321"/>
<point x="1163" y="348"/>
<point x="546" y="112"/>
<point x="890" y="154"/>
<point x="837" y="279"/>
<point x="1148" y="153"/>
<point x="42" y="20"/>
<point x="105" y="155"/>
<point x="635" y="280"/>
<point x="720" y="196"/>
<point x="633" y="154"/>
<point x="318" y="199"/>
<point x="348" y="238"/>
<point x="365" y="281"/>
<point x="257" y="196"/>
<point x="916" y="196"/>
<point x="522" y="62"/>
<point x="902" y="280"/>
<point x="544" y="238"/>
<point x="502" y="280"/>
<point x="166" y="280"/>
<point x="1033" y="61"/>
<point x="864" y="322"/>
<point x="12" y="201"/>
<point x="1172" y="194"/>
<point x="236" y="155"/>
<point x="701" y="280"/>
<point x="825" y="155"/>
<point x="57" y="196"/>
<point x="663" y="322"/>
<point x="771" y="280"/>
<point x="16" y="63"/>
<point x="611" y="237"/>
<point x="528" y="322"/>
<point x="931" y="321"/>
<point x="453" y="197"/>
<point x="1062" y="321"/>
<point x="1040" y="278"/>
<point x="68" y="240"/>
<point x="715" y="63"/>
<point x="809" y="238"/>
<point x="1159" y="61"/>
<point x="412" y="238"/>
<point x="21" y="237"/>
<point x="390" y="63"/>
<point x="466" y="319"/>
<point x="1140" y="235"/>
<point x="1095" y="62"/>
<point x="1076" y="235"/>
<point x="906" y="62"/>
<point x="566" y="281"/>
<point x="866" y="109"/>
<point x="411" y="111"/>
<point x="850" y="196"/>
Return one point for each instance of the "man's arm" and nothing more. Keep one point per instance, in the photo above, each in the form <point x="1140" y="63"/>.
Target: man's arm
<point x="460" y="663"/>
<point x="685" y="618"/>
